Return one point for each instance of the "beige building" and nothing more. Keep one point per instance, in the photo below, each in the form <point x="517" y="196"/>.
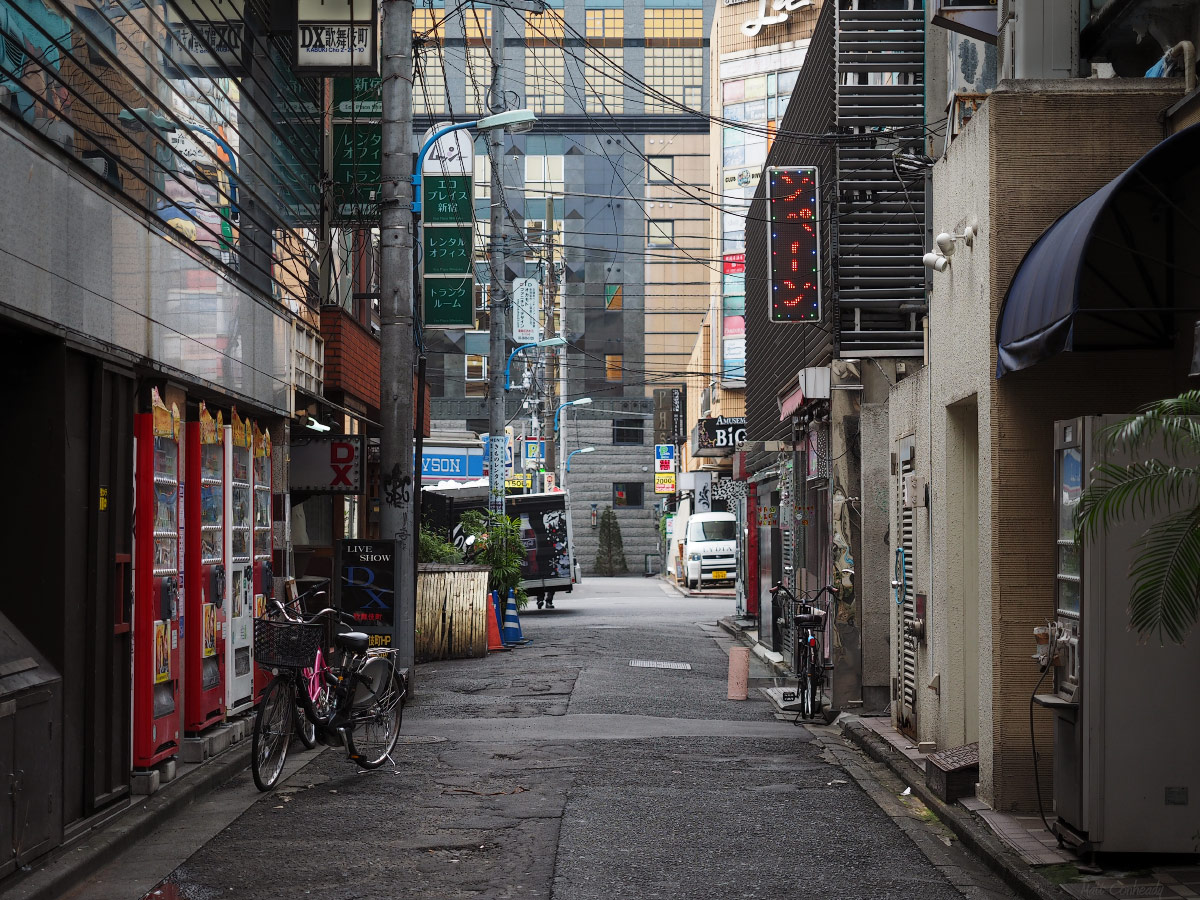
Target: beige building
<point x="972" y="453"/>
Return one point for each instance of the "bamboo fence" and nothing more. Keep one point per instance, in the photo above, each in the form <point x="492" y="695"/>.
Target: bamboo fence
<point x="452" y="611"/>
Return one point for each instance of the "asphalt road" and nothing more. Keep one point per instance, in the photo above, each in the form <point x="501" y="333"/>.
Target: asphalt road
<point x="561" y="771"/>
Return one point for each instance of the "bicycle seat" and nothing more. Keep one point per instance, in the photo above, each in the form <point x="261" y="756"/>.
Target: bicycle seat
<point x="352" y="641"/>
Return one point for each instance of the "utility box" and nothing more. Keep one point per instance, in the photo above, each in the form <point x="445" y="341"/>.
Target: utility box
<point x="31" y="806"/>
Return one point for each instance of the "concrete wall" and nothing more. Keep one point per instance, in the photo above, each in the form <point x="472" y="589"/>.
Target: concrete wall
<point x="591" y="481"/>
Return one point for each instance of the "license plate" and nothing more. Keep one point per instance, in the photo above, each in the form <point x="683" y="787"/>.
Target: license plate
<point x="720" y="573"/>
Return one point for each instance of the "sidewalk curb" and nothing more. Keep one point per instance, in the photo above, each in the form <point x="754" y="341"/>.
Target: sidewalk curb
<point x="62" y="871"/>
<point x="973" y="835"/>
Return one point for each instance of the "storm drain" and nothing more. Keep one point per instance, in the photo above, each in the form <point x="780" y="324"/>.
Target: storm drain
<point x="659" y="664"/>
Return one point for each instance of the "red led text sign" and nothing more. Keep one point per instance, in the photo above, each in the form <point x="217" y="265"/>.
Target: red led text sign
<point x="794" y="244"/>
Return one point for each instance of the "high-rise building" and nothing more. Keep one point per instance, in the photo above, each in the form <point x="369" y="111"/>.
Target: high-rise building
<point x="621" y="152"/>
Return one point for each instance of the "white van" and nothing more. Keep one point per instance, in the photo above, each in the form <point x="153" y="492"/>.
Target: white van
<point x="710" y="548"/>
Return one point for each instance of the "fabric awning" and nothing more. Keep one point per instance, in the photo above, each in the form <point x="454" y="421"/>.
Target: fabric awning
<point x="791" y="402"/>
<point x="1104" y="277"/>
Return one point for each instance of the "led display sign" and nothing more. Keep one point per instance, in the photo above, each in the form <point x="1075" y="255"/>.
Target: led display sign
<point x="794" y="244"/>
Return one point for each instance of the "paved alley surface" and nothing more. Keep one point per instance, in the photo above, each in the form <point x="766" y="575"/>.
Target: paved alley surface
<point x="561" y="771"/>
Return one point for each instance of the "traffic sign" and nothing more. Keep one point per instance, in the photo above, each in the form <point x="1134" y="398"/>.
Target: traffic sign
<point x="664" y="483"/>
<point x="664" y="451"/>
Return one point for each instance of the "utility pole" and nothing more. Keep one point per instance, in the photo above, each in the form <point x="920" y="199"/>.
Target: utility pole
<point x="497" y="440"/>
<point x="551" y="286"/>
<point x="396" y="321"/>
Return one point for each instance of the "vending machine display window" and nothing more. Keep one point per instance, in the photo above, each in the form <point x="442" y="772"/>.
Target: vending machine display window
<point x="264" y="576"/>
<point x="158" y="593"/>
<point x="239" y="674"/>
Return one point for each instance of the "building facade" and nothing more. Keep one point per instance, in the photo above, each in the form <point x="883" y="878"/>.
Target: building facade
<point x="623" y="250"/>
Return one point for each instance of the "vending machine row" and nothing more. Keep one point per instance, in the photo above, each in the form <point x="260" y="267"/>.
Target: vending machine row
<point x="202" y="571"/>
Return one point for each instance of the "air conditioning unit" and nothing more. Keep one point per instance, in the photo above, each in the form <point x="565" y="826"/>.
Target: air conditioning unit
<point x="1040" y="39"/>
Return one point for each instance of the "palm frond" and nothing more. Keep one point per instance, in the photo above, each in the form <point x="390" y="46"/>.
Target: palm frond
<point x="1176" y="419"/>
<point x="1142" y="487"/>
<point x="1165" y="595"/>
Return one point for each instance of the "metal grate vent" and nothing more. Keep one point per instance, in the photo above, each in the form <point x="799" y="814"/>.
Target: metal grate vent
<point x="659" y="664"/>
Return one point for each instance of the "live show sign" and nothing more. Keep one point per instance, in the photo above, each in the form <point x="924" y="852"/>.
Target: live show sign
<point x="368" y="578"/>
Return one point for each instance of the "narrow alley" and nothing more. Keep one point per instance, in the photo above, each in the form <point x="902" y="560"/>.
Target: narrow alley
<point x="561" y="770"/>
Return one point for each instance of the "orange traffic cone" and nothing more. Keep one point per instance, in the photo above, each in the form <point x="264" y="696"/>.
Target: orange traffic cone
<point x="493" y="626"/>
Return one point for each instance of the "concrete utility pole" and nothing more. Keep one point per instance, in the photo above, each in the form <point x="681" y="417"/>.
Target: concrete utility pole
<point x="497" y="441"/>
<point x="551" y="285"/>
<point x="396" y="321"/>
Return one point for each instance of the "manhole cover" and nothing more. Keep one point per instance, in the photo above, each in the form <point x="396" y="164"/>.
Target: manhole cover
<point x="658" y="664"/>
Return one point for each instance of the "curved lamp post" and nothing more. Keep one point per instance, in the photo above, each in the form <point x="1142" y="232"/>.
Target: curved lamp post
<point x="549" y="342"/>
<point x="562" y="435"/>
<point x="515" y="121"/>
<point x="580" y="450"/>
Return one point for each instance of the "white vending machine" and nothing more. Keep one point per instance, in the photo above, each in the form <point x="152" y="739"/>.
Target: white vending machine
<point x="239" y="662"/>
<point x="1126" y="763"/>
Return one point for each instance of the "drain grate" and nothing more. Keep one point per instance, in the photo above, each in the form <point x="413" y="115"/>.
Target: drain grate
<point x="659" y="664"/>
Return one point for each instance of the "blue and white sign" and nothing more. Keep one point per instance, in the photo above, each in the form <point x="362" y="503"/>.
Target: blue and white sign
<point x="534" y="452"/>
<point x="664" y="458"/>
<point x="451" y="463"/>
<point x="508" y="455"/>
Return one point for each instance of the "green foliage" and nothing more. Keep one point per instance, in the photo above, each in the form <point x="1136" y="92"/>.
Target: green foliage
<point x="498" y="545"/>
<point x="610" y="555"/>
<point x="1165" y="596"/>
<point x="432" y="547"/>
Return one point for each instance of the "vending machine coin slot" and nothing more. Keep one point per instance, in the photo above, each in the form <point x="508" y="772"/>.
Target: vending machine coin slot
<point x="218" y="585"/>
<point x="169" y="592"/>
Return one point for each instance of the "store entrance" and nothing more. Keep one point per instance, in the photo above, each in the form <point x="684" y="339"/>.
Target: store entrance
<point x="68" y="521"/>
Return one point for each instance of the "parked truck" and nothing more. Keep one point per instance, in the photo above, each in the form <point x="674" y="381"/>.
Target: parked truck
<point x="549" y="567"/>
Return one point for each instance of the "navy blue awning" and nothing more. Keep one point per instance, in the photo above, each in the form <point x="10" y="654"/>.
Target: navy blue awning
<point x="1104" y="276"/>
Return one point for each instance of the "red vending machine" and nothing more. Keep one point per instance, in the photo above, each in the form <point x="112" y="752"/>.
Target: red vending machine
<point x="264" y="576"/>
<point x="204" y="574"/>
<point x="157" y="591"/>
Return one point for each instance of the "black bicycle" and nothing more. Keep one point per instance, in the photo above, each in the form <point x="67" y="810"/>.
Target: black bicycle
<point x="808" y="661"/>
<point x="361" y="710"/>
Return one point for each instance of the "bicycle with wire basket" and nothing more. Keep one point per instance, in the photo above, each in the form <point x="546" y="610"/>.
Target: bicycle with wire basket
<point x="808" y="661"/>
<point x="363" y="706"/>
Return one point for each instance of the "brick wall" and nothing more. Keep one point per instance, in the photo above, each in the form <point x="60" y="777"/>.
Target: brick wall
<point x="351" y="356"/>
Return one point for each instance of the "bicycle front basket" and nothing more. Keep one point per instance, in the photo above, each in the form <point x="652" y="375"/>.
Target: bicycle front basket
<point x="286" y="645"/>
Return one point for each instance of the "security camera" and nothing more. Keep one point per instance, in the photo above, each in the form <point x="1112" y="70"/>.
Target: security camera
<point x="945" y="243"/>
<point x="935" y="261"/>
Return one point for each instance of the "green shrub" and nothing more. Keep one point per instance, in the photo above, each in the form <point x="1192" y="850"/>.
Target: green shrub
<point x="433" y="547"/>
<point x="498" y="545"/>
<point x="610" y="555"/>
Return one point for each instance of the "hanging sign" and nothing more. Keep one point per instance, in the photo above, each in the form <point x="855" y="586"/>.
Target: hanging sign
<point x="794" y="245"/>
<point x="339" y="37"/>
<point x="664" y="483"/>
<point x="451" y="154"/>
<point x="525" y="300"/>
<point x="448" y="302"/>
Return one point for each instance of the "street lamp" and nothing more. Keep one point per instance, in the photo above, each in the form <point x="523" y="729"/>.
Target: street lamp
<point x="562" y="443"/>
<point x="515" y="121"/>
<point x="549" y="342"/>
<point x="580" y="450"/>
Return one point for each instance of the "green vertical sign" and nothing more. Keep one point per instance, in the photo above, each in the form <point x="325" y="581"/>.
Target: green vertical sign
<point x="449" y="302"/>
<point x="449" y="250"/>
<point x="356" y="166"/>
<point x="447" y="199"/>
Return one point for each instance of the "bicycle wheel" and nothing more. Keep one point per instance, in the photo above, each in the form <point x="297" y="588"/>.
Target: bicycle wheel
<point x="273" y="727"/>
<point x="377" y="728"/>
<point x="810" y="695"/>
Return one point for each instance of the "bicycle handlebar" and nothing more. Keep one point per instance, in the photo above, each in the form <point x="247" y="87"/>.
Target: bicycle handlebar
<point x="827" y="589"/>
